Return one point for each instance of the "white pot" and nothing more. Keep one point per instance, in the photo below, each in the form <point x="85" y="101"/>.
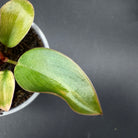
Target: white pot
<point x="31" y="99"/>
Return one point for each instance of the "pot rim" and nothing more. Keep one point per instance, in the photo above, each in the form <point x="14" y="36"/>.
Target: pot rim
<point x="34" y="95"/>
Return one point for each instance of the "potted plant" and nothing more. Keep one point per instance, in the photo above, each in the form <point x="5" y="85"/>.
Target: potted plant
<point x="40" y="70"/>
<point x="22" y="98"/>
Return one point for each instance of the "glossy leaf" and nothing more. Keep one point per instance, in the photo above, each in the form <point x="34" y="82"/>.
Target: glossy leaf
<point x="7" y="85"/>
<point x="16" y="18"/>
<point x="46" y="70"/>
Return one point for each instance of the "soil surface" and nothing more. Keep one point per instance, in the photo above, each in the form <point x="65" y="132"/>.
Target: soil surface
<point x="31" y="40"/>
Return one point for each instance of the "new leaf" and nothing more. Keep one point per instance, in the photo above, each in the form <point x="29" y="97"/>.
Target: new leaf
<point x="46" y="70"/>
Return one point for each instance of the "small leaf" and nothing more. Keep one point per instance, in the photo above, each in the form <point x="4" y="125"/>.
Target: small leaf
<point x="16" y="18"/>
<point x="7" y="85"/>
<point x="46" y="70"/>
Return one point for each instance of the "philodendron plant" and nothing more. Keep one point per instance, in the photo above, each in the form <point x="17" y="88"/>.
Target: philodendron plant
<point x="41" y="69"/>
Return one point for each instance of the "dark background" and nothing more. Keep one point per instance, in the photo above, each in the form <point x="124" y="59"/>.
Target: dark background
<point x="102" y="37"/>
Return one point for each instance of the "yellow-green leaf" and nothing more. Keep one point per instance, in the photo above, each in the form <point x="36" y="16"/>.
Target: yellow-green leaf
<point x="7" y="86"/>
<point x="16" y="18"/>
<point x="46" y="70"/>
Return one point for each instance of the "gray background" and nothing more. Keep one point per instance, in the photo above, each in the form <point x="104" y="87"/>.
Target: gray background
<point x="102" y="37"/>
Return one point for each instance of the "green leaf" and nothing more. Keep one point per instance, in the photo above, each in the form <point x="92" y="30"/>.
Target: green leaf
<point x="7" y="85"/>
<point x="16" y="18"/>
<point x="46" y="70"/>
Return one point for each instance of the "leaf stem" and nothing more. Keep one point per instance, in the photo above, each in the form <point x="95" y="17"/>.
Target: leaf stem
<point x="11" y="62"/>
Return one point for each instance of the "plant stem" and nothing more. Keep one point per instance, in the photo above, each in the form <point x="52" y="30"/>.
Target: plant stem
<point x="5" y="59"/>
<point x="11" y="62"/>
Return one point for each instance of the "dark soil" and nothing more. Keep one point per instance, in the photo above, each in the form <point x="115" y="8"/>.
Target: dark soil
<point x="30" y="41"/>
